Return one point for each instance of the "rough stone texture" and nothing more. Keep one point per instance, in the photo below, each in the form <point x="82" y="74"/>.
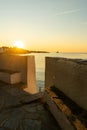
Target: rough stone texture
<point x="69" y="76"/>
<point x="63" y="108"/>
<point x="20" y="110"/>
<point x="58" y="114"/>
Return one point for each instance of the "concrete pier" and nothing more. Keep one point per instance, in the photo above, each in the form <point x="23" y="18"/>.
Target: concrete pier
<point x="25" y="65"/>
<point x="20" y="110"/>
<point x="69" y="76"/>
<point x="66" y="92"/>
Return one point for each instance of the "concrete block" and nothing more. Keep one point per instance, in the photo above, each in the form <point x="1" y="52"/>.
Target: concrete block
<point x="10" y="78"/>
<point x="58" y="115"/>
<point x="69" y="76"/>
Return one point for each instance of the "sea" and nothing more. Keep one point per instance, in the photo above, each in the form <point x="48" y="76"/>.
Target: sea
<point x="40" y="64"/>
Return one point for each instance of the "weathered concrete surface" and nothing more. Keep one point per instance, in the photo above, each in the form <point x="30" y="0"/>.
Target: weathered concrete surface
<point x="65" y="111"/>
<point x="59" y="115"/>
<point x="20" y="110"/>
<point x="31" y="75"/>
<point x="70" y="76"/>
<point x="15" y="63"/>
<point x="24" y="64"/>
<point x="11" y="78"/>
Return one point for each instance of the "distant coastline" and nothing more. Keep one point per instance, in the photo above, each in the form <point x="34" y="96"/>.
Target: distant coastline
<point x="39" y="52"/>
<point x="15" y="50"/>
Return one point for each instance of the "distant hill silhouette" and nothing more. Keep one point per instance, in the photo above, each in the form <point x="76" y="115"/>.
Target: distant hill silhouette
<point x="15" y="50"/>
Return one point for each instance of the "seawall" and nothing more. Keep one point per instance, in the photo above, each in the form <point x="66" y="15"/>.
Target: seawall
<point x="69" y="76"/>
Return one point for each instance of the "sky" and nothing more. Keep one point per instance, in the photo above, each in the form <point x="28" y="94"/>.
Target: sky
<point x="47" y="25"/>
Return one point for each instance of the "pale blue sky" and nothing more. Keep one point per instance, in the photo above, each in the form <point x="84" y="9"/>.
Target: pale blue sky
<point x="44" y="24"/>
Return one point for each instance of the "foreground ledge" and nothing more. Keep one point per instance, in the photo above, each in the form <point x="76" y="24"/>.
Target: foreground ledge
<point x="62" y="113"/>
<point x="20" y="110"/>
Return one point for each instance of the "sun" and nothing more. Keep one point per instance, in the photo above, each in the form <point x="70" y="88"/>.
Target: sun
<point x="19" y="44"/>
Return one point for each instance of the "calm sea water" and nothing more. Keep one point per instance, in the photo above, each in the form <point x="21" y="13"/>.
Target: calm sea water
<point x="40" y="64"/>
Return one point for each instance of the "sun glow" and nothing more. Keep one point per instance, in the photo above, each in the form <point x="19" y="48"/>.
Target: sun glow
<point x="19" y="44"/>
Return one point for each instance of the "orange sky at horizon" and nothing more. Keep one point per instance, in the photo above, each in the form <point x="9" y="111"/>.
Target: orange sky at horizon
<point x="48" y="25"/>
<point x="69" y="47"/>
